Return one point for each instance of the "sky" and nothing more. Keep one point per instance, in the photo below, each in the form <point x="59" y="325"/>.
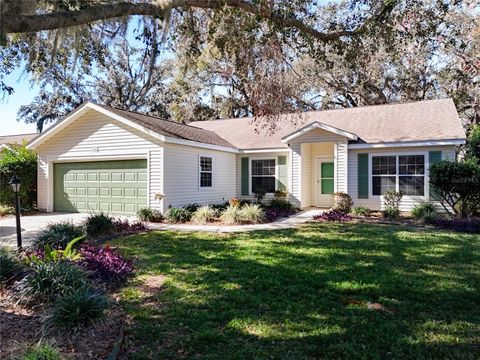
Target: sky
<point x="9" y="104"/>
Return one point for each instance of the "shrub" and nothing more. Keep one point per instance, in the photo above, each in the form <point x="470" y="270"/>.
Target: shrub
<point x="105" y="264"/>
<point x="332" y="215"/>
<point x="9" y="265"/>
<point x="23" y="163"/>
<point x="77" y="308"/>
<point x="41" y="352"/>
<point x="259" y="195"/>
<point x="472" y="148"/>
<point x="57" y="235"/>
<point x="342" y="202"/>
<point x="6" y="210"/>
<point x="99" y="224"/>
<point x="392" y="204"/>
<point x="280" y="204"/>
<point x="462" y="225"/>
<point x="124" y="226"/>
<point x="191" y="208"/>
<point x="391" y="213"/>
<point x="231" y="215"/>
<point x="281" y="194"/>
<point x="178" y="215"/>
<point x="425" y="211"/>
<point x="150" y="215"/>
<point x="234" y="201"/>
<point x="204" y="214"/>
<point x="360" y="211"/>
<point x="48" y="280"/>
<point x="458" y="184"/>
<point x="252" y="213"/>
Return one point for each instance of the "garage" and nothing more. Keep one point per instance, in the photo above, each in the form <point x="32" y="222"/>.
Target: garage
<point x="115" y="187"/>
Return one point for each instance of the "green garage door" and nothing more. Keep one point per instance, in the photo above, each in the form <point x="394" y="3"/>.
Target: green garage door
<point x="116" y="187"/>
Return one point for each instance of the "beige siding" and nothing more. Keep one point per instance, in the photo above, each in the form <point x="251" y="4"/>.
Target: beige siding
<point x="375" y="202"/>
<point x="95" y="137"/>
<point x="260" y="155"/>
<point x="182" y="177"/>
<point x="155" y="165"/>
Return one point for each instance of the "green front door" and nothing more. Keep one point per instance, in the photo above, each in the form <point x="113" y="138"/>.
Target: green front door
<point x="116" y="187"/>
<point x="327" y="178"/>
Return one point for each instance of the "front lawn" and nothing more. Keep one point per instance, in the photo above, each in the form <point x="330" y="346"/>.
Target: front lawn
<point x="325" y="290"/>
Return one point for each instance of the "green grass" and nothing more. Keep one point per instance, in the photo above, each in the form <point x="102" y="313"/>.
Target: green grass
<point x="303" y="294"/>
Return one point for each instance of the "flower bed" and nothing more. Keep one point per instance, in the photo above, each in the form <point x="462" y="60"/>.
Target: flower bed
<point x="63" y="289"/>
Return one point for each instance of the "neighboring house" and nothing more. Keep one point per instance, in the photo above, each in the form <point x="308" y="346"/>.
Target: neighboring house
<point x="11" y="141"/>
<point x="101" y="158"/>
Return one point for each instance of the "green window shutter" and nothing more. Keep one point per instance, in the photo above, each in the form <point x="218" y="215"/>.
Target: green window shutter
<point x="282" y="173"/>
<point x="433" y="157"/>
<point x="245" y="176"/>
<point x="362" y="176"/>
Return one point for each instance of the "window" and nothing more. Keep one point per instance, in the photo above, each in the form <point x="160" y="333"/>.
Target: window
<point x="384" y="170"/>
<point x="404" y="173"/>
<point x="205" y="171"/>
<point x="263" y="175"/>
<point x="411" y="171"/>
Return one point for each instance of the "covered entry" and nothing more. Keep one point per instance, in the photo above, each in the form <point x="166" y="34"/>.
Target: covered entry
<point x="117" y="187"/>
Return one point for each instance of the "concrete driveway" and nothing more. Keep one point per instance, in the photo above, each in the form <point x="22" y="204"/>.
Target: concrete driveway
<point x="32" y="224"/>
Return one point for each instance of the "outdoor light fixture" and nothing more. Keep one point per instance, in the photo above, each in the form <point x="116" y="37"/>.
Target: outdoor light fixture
<point x="15" y="183"/>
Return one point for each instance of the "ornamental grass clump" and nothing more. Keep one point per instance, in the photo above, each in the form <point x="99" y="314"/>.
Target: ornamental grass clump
<point x="57" y="235"/>
<point x="178" y="215"/>
<point x="252" y="213"/>
<point x="150" y="215"/>
<point x="332" y="215"/>
<point x="76" y="309"/>
<point x="9" y="266"/>
<point x="49" y="280"/>
<point x="103" y="263"/>
<point x="204" y="214"/>
<point x="231" y="215"/>
<point x="41" y="352"/>
<point x="360" y="211"/>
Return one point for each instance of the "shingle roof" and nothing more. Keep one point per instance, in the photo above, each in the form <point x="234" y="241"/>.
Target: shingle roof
<point x="17" y="139"/>
<point x="418" y="121"/>
<point x="171" y="128"/>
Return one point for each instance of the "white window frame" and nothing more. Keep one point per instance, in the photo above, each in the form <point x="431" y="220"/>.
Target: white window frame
<point x="250" y="180"/>
<point x="200" y="187"/>
<point x="426" y="188"/>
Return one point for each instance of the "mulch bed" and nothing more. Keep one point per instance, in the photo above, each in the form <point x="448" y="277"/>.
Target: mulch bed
<point x="21" y="328"/>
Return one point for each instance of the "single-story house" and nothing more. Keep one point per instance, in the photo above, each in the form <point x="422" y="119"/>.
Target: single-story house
<point x="117" y="161"/>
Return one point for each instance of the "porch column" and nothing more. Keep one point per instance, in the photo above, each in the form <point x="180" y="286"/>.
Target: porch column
<point x="341" y="166"/>
<point x="296" y="170"/>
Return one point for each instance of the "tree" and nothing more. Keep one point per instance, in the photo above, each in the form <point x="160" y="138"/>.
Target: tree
<point x="458" y="183"/>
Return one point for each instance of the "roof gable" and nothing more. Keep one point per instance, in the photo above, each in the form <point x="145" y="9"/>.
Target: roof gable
<point x="163" y="130"/>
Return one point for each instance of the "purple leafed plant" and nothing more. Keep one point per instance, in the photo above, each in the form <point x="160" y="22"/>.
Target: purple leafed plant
<point x="125" y="227"/>
<point x="332" y="215"/>
<point x="273" y="214"/>
<point x="462" y="225"/>
<point x="105" y="264"/>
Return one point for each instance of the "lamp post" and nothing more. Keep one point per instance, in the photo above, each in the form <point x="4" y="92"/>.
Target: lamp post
<point x="15" y="183"/>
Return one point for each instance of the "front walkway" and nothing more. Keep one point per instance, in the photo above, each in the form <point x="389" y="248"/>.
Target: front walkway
<point x="286" y="223"/>
<point x="33" y="224"/>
